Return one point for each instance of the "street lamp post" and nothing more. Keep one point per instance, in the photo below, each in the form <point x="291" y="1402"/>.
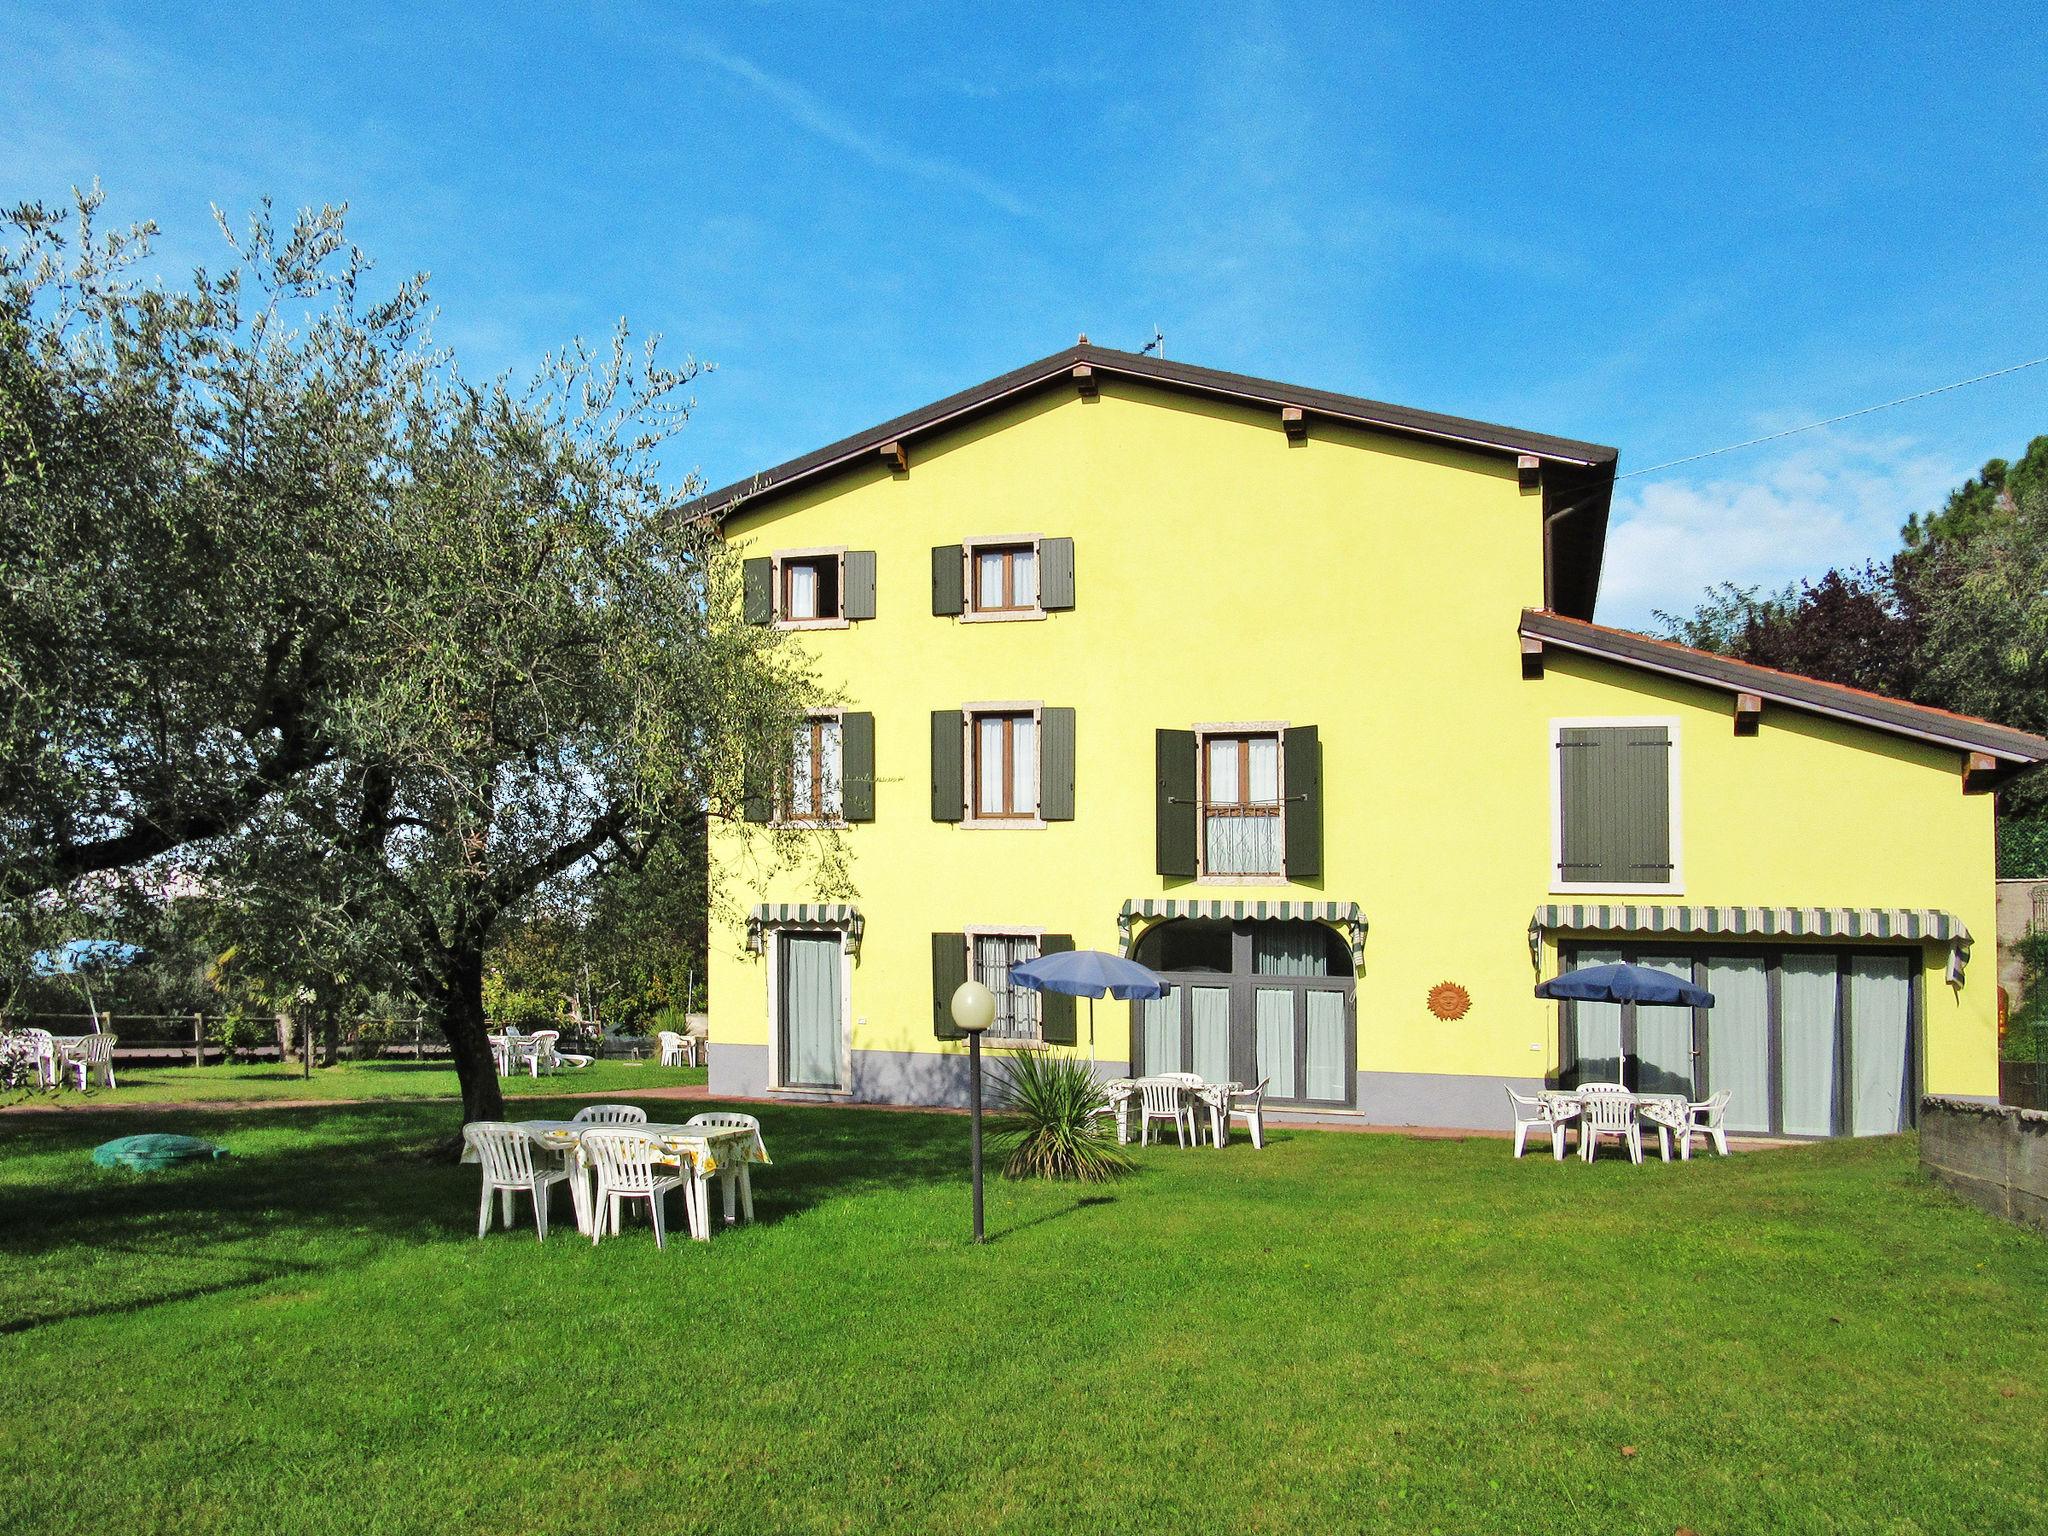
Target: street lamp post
<point x="974" y="1009"/>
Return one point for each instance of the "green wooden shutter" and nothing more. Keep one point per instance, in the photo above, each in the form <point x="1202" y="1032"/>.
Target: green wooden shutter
<point x="857" y="767"/>
<point x="949" y="969"/>
<point x="1055" y="574"/>
<point x="949" y="772"/>
<point x="859" y="598"/>
<point x="756" y="793"/>
<point x="1615" y="808"/>
<point x="757" y="583"/>
<point x="1174" y="813"/>
<point x="1302" y="750"/>
<point x="1056" y="764"/>
<point x="949" y="580"/>
<point x="1056" y="1009"/>
<point x="1645" y="803"/>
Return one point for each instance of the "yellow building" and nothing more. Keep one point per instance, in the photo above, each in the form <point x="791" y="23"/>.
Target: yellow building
<point x="1297" y="698"/>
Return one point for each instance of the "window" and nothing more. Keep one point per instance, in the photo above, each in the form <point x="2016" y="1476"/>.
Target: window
<point x="812" y="791"/>
<point x="1242" y="831"/>
<point x="1615" y="807"/>
<point x="808" y="590"/>
<point x="1003" y="774"/>
<point x="1016" y="1007"/>
<point x="1005" y="578"/>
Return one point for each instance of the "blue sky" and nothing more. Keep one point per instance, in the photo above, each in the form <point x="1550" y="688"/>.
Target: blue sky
<point x="1666" y="230"/>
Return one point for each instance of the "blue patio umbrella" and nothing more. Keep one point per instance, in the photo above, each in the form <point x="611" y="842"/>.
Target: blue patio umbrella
<point x="1089" y="973"/>
<point x="1624" y="984"/>
<point x="75" y="955"/>
<point x="80" y="958"/>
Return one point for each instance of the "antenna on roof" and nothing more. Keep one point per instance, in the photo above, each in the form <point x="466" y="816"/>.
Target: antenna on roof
<point x="1156" y="344"/>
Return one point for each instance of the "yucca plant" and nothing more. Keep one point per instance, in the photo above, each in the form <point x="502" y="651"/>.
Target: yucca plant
<point x="1050" y="1128"/>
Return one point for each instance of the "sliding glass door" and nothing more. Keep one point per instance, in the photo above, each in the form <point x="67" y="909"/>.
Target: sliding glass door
<point x="1259" y="1001"/>
<point x="1805" y="1041"/>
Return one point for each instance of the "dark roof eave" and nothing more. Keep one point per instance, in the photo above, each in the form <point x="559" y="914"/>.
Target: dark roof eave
<point x="1354" y="410"/>
<point x="1896" y="716"/>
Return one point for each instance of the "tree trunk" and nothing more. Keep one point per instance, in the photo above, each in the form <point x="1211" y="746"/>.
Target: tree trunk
<point x="287" y="1037"/>
<point x="462" y="1020"/>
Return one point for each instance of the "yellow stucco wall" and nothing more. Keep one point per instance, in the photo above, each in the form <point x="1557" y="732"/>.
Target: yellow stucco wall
<point x="1365" y="585"/>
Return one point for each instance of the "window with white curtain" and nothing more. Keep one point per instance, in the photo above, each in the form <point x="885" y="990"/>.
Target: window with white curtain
<point x="1016" y="1007"/>
<point x="1242" y="813"/>
<point x="814" y="784"/>
<point x="1004" y="765"/>
<point x="1005" y="578"/>
<point x="810" y="589"/>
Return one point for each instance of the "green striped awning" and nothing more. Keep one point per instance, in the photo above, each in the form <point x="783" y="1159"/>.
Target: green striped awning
<point x="1343" y="914"/>
<point x="1918" y="926"/>
<point x="801" y="914"/>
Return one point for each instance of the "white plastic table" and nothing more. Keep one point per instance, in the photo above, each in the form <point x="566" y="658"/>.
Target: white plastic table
<point x="1672" y="1104"/>
<point x="705" y="1148"/>
<point x="1214" y="1097"/>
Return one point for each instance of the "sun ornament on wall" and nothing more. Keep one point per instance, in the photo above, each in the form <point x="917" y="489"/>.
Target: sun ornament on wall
<point x="1448" y="1001"/>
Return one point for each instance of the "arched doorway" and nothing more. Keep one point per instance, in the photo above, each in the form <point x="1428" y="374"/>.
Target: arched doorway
<point x="1273" y="1001"/>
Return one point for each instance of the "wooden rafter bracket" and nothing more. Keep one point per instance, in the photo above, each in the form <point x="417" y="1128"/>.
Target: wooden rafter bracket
<point x="1529" y="470"/>
<point x="1981" y="773"/>
<point x="1294" y="423"/>
<point x="896" y="456"/>
<point x="1532" y="656"/>
<point x="1085" y="382"/>
<point x="1749" y="711"/>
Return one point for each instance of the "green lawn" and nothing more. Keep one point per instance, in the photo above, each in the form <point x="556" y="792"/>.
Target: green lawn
<point x="1342" y="1332"/>
<point x="354" y="1080"/>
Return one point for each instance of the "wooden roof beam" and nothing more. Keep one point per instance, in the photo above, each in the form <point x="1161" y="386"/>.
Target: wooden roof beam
<point x="1749" y="709"/>
<point x="1294" y="423"/>
<point x="1529" y="470"/>
<point x="896" y="456"/>
<point x="1980" y="773"/>
<point x="1532" y="656"/>
<point x="1084" y="381"/>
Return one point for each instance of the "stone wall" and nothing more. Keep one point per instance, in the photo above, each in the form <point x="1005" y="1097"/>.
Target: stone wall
<point x="1990" y="1155"/>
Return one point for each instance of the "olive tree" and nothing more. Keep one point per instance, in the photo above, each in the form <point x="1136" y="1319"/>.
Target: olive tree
<point x="281" y="590"/>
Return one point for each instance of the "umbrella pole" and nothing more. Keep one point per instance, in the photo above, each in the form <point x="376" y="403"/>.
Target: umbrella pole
<point x="1091" y="1032"/>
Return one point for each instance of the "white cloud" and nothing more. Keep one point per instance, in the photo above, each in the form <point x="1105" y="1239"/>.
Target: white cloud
<point x="1834" y="500"/>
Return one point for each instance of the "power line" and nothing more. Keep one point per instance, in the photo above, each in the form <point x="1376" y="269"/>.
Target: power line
<point x="1772" y="437"/>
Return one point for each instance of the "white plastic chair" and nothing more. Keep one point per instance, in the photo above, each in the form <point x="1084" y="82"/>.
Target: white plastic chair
<point x="1165" y="1098"/>
<point x="1610" y="1110"/>
<point x="506" y="1153"/>
<point x="1249" y="1105"/>
<point x="1116" y="1099"/>
<point x="94" y="1054"/>
<point x="43" y="1045"/>
<point x="1705" y="1120"/>
<point x="732" y="1174"/>
<point x="626" y="1161"/>
<point x="609" y="1114"/>
<point x="673" y="1048"/>
<point x="540" y="1051"/>
<point x="1533" y="1114"/>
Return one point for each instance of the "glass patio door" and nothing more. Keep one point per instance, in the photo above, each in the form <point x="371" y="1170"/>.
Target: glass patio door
<point x="1879" y="1005"/>
<point x="1809" y="1062"/>
<point x="1738" y="1060"/>
<point x="810" y="1010"/>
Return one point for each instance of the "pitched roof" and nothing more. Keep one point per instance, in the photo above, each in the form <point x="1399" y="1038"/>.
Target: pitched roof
<point x="1920" y="721"/>
<point x="1578" y="478"/>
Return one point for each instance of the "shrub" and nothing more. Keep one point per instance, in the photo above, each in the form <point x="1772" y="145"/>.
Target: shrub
<point x="1051" y="1129"/>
